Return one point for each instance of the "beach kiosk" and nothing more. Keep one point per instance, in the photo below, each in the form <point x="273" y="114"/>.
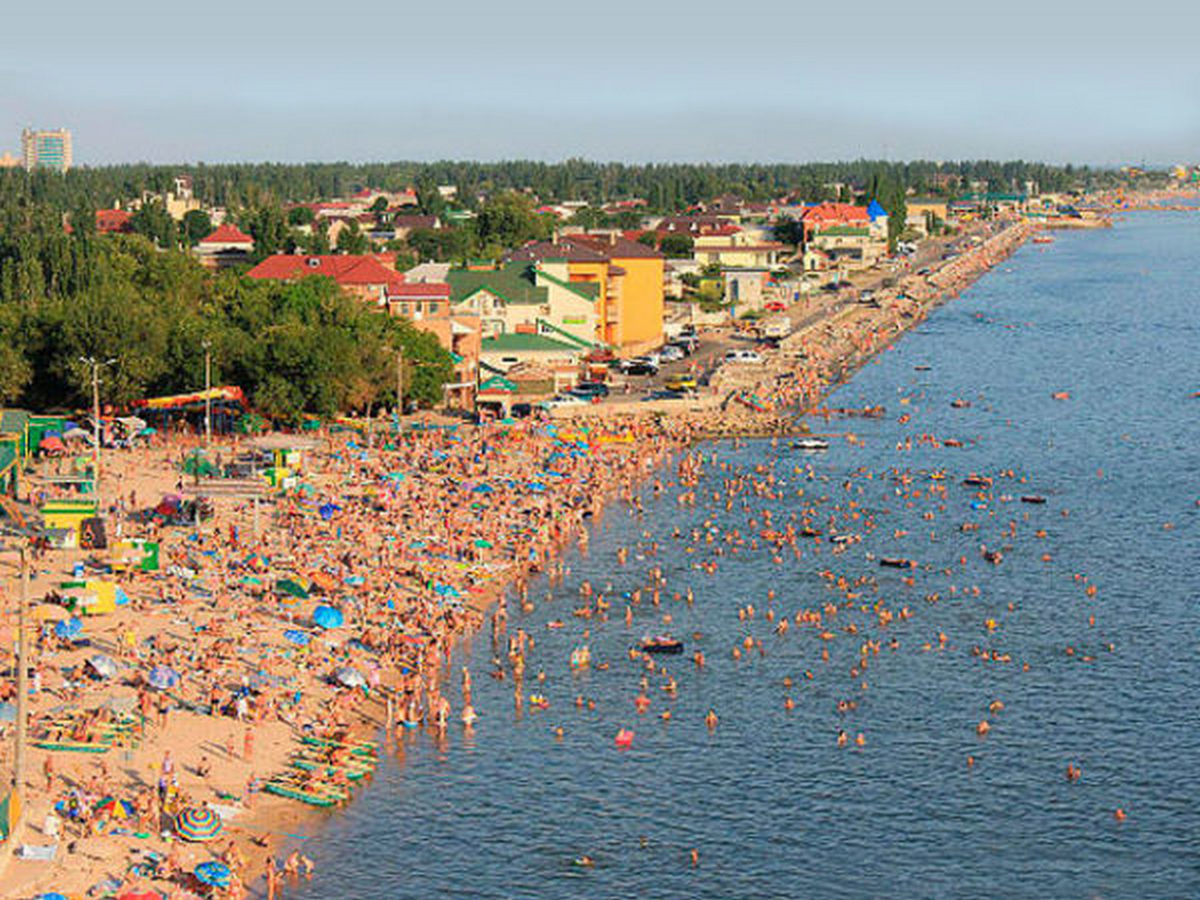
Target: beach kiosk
<point x="73" y="523"/>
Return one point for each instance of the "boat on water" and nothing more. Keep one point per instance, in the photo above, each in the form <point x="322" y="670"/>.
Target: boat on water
<point x="895" y="562"/>
<point x="810" y="445"/>
<point x="1033" y="498"/>
<point x="661" y="643"/>
<point x="981" y="481"/>
<point x="1043" y="239"/>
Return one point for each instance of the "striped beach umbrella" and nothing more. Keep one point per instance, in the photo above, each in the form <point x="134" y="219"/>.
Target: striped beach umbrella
<point x="198" y="823"/>
<point x="213" y="873"/>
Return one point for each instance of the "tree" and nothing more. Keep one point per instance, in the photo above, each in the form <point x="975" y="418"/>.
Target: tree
<point x="300" y="215"/>
<point x="196" y="225"/>
<point x="440" y="245"/>
<point x="268" y="228"/>
<point x="379" y="206"/>
<point x="677" y="246"/>
<point x="790" y="231"/>
<point x="509" y="220"/>
<point x="152" y="221"/>
<point x="351" y="240"/>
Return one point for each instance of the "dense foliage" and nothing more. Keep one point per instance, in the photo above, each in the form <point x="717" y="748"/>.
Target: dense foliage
<point x="297" y="348"/>
<point x="666" y="187"/>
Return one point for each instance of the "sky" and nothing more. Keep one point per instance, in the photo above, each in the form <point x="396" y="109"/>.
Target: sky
<point x="648" y="81"/>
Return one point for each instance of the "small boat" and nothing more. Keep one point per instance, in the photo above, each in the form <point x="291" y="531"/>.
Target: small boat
<point x="353" y="773"/>
<point x="960" y="403"/>
<point x="293" y="792"/>
<point x="1043" y="239"/>
<point x="661" y="644"/>
<point x="894" y="562"/>
<point x="993" y="556"/>
<point x="362" y="748"/>
<point x="1033" y="498"/>
<point x="922" y="368"/>
<point x="977" y="481"/>
<point x="72" y="746"/>
<point x="810" y="532"/>
<point x="845" y="538"/>
<point x="810" y="445"/>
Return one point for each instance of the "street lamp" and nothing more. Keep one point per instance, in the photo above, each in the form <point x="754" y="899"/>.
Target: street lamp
<point x="207" y="345"/>
<point x="95" y="366"/>
<point x="22" y="664"/>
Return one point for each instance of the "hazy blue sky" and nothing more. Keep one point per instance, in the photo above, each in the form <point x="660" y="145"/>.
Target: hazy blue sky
<point x="608" y="79"/>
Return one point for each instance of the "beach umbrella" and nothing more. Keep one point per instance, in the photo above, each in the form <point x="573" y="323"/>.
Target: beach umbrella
<point x="163" y="678"/>
<point x="299" y="638"/>
<point x="328" y="617"/>
<point x="75" y="434"/>
<point x="53" y="895"/>
<point x="327" y="510"/>
<point x="213" y="873"/>
<point x="140" y="894"/>
<point x="52" y="444"/>
<point x="50" y="612"/>
<point x="103" y="665"/>
<point x="68" y="628"/>
<point x="198" y="823"/>
<point x="114" y="808"/>
<point x="350" y="677"/>
<point x="291" y="588"/>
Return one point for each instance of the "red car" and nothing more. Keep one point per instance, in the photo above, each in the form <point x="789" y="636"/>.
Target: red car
<point x="774" y="306"/>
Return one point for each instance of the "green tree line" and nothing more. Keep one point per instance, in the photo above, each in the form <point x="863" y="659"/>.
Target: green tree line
<point x="666" y="187"/>
<point x="293" y="348"/>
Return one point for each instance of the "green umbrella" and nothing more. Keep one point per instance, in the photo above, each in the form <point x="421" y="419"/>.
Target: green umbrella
<point x="294" y="588"/>
<point x="480" y="542"/>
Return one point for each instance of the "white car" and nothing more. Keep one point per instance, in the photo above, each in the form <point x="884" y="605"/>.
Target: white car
<point x="670" y="353"/>
<point x="563" y="400"/>
<point x="744" y="356"/>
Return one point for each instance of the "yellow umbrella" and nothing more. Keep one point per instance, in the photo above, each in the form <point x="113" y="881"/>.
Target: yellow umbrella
<point x="50" y="612"/>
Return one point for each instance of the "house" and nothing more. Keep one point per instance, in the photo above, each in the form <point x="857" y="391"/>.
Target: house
<point x="499" y="354"/>
<point x="626" y="276"/>
<point x="987" y="202"/>
<point x="114" y="221"/>
<point x="845" y="247"/>
<point x="528" y="296"/>
<point x="745" y="288"/>
<point x="427" y="305"/>
<point x="363" y="276"/>
<point x="737" y="249"/>
<point x="403" y="224"/>
<point x="833" y="215"/>
<point x="920" y="209"/>
<point x="227" y="246"/>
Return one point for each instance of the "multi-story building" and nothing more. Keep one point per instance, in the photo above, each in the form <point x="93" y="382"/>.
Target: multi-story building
<point x="46" y="149"/>
<point x="627" y="278"/>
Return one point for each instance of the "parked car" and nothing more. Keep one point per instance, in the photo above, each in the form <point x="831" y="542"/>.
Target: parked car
<point x="671" y="353"/>
<point x="589" y="389"/>
<point x="639" y="365"/>
<point x="774" y="306"/>
<point x="562" y="400"/>
<point x="680" y="383"/>
<point x="663" y="395"/>
<point x="744" y="356"/>
<point x="686" y="343"/>
<point x="521" y="410"/>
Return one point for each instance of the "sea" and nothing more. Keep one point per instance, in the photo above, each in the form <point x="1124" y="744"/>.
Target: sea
<point x="1086" y="631"/>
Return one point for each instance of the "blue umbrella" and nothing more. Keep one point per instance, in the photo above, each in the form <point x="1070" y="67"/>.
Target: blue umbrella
<point x="68" y="628"/>
<point x="104" y="666"/>
<point x="163" y="678"/>
<point x="299" y="638"/>
<point x="213" y="873"/>
<point x="328" y="617"/>
<point x="327" y="510"/>
<point x="55" y="895"/>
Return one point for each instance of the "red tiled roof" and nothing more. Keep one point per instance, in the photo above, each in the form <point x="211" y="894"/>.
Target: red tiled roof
<point x="617" y="247"/>
<point x="342" y="269"/>
<point x="827" y="213"/>
<point x="110" y="220"/>
<point x="228" y="234"/>
<point x="421" y="290"/>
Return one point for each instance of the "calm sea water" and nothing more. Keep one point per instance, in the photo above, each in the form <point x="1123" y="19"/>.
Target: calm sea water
<point x="773" y="805"/>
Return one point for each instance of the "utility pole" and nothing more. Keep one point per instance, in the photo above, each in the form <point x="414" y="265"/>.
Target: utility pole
<point x="399" y="386"/>
<point x="95" y="366"/>
<point x="207" y="388"/>
<point x="22" y="675"/>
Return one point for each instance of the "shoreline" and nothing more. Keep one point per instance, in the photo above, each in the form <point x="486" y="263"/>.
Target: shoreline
<point x="819" y="358"/>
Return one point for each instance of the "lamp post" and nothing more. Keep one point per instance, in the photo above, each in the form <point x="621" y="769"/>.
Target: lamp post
<point x="207" y="345"/>
<point x="95" y="366"/>
<point x="22" y="673"/>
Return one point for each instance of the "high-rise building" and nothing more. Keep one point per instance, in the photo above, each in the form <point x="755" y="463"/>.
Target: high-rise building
<point x="46" y="149"/>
